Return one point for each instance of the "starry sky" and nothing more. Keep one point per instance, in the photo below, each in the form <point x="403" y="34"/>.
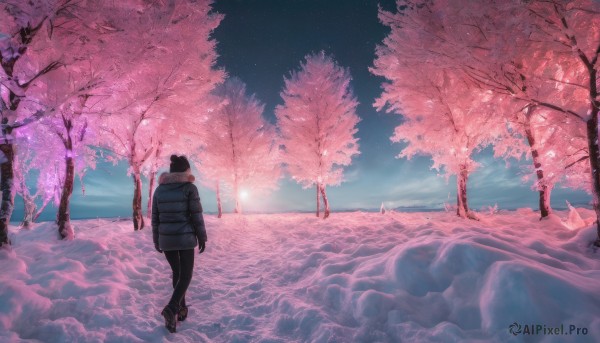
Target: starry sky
<point x="261" y="41"/>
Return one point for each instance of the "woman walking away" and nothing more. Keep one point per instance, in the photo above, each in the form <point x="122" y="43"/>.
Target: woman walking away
<point x="177" y="227"/>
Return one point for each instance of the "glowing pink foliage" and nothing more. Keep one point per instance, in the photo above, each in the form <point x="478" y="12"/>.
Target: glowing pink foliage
<point x="444" y="117"/>
<point x="163" y="74"/>
<point x="532" y="55"/>
<point x="240" y="147"/>
<point x="164" y="66"/>
<point x="49" y="56"/>
<point x="37" y="157"/>
<point x="318" y="123"/>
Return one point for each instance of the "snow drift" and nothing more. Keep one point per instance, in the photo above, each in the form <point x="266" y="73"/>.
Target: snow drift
<point x="362" y="277"/>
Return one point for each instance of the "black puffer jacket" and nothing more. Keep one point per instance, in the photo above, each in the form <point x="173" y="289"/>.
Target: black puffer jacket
<point x="177" y="222"/>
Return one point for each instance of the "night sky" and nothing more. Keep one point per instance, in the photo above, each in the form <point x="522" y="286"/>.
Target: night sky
<point x="261" y="41"/>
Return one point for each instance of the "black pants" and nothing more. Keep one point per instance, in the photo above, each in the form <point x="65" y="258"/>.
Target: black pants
<point x="182" y="265"/>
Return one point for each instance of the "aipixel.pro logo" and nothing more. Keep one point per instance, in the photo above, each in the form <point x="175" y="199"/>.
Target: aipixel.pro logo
<point x="516" y="329"/>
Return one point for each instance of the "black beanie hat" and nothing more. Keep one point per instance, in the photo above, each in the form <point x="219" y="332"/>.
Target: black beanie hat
<point x="179" y="164"/>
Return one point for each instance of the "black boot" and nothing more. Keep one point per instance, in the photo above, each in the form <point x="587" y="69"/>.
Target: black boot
<point x="7" y="243"/>
<point x="169" y="313"/>
<point x="182" y="314"/>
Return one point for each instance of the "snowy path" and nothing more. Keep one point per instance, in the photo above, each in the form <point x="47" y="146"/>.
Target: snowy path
<point x="357" y="277"/>
<point x="229" y="292"/>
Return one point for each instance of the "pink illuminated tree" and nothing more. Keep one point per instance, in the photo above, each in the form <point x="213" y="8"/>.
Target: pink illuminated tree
<point x="318" y="124"/>
<point x="444" y="117"/>
<point x="73" y="135"/>
<point x="68" y="153"/>
<point x="173" y="140"/>
<point x="155" y="161"/>
<point x="131" y="137"/>
<point x="538" y="53"/>
<point x="567" y="35"/>
<point x="36" y="156"/>
<point x="73" y="127"/>
<point x="556" y="146"/>
<point x="163" y="74"/>
<point x="240" y="148"/>
<point x="36" y="39"/>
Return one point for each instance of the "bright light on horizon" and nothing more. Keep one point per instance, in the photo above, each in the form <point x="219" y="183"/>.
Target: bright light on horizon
<point x="244" y="195"/>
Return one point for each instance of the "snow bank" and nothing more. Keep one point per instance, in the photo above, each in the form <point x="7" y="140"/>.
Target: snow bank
<point x="362" y="277"/>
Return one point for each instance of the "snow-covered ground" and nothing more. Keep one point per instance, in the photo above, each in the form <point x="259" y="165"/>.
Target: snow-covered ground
<point x="355" y="277"/>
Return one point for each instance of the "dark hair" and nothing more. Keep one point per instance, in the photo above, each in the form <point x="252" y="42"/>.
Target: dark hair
<point x="179" y="164"/>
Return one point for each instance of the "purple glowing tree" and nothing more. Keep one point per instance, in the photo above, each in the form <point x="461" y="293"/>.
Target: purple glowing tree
<point x="36" y="39"/>
<point x="35" y="153"/>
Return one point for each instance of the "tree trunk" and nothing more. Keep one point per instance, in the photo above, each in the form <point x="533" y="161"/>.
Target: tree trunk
<point x="462" y="207"/>
<point x="325" y="202"/>
<point x="318" y="200"/>
<point x="238" y="208"/>
<point x="6" y="147"/>
<point x="545" y="192"/>
<point x="592" y="136"/>
<point x="461" y="192"/>
<point x="6" y="186"/>
<point x="30" y="210"/>
<point x="40" y="210"/>
<point x="152" y="179"/>
<point x="138" y="218"/>
<point x="544" y="189"/>
<point x="591" y="123"/>
<point x="592" y="131"/>
<point x="63" y="217"/>
<point x="152" y="176"/>
<point x="219" y="208"/>
<point x="544" y="201"/>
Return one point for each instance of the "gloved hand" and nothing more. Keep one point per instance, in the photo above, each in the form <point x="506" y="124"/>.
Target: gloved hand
<point x="201" y="247"/>
<point x="157" y="248"/>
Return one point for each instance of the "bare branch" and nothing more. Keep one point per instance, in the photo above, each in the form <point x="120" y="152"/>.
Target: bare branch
<point x="583" y="158"/>
<point x="50" y="67"/>
<point x="552" y="106"/>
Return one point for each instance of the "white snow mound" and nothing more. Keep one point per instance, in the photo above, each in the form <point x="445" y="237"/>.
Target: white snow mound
<point x="355" y="277"/>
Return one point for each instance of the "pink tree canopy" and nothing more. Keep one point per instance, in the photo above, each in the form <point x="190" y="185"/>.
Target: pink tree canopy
<point x="445" y="117"/>
<point x="537" y="53"/>
<point x="38" y="169"/>
<point x="43" y="56"/>
<point x="162" y="76"/>
<point x="318" y="123"/>
<point x="240" y="147"/>
<point x="556" y="145"/>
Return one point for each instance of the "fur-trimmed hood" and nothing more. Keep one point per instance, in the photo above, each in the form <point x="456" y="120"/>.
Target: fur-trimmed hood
<point x="185" y="176"/>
